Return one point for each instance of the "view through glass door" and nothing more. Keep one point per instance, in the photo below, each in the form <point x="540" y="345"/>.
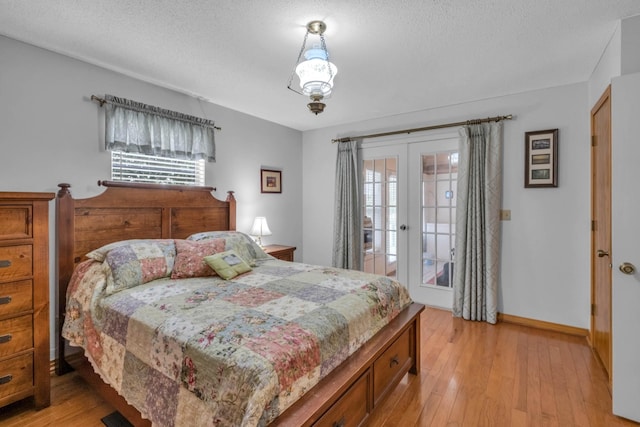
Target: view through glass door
<point x="409" y="191"/>
<point x="433" y="187"/>
<point x="384" y="189"/>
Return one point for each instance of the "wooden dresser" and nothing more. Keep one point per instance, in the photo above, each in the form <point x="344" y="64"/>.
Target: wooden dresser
<point x="24" y="297"/>
<point x="285" y="253"/>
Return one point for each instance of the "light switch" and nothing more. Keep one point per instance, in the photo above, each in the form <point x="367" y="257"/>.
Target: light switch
<point x="505" y="215"/>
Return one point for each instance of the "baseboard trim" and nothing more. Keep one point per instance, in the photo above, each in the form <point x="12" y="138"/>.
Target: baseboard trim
<point x="533" y="323"/>
<point x="541" y="324"/>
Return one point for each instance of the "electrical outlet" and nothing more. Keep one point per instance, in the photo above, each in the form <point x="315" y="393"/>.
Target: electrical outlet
<point x="505" y="215"/>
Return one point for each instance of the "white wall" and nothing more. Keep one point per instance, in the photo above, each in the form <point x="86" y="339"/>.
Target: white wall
<point x="545" y="246"/>
<point x="630" y="45"/>
<point x="620" y="57"/>
<point x="50" y="132"/>
<point x="609" y="65"/>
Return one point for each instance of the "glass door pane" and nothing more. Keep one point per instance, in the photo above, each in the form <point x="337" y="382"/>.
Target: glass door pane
<point x="433" y="172"/>
<point x="380" y="216"/>
<point x="438" y="182"/>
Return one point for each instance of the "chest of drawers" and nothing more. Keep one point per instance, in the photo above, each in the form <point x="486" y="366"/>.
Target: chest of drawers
<point x="24" y="297"/>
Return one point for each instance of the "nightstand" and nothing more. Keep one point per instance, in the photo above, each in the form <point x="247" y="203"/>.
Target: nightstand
<point x="285" y="253"/>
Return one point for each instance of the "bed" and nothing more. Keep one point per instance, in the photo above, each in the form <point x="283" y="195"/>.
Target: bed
<point x="325" y="378"/>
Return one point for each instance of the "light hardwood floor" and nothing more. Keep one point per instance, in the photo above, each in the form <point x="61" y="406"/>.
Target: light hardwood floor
<point x="473" y="374"/>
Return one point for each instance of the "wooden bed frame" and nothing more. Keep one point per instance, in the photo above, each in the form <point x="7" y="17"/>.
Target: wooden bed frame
<point x="150" y="211"/>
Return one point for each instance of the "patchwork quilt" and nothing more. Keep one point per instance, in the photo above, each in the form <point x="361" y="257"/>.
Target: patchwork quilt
<point x="203" y="351"/>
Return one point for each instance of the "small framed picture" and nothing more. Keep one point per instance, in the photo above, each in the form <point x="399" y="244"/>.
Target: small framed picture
<point x="541" y="158"/>
<point x="270" y="181"/>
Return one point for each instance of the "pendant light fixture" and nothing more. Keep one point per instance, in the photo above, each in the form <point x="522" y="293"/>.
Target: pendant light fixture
<point x="316" y="72"/>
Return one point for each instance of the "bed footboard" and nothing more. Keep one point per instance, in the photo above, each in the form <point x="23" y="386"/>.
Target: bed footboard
<point x="354" y="389"/>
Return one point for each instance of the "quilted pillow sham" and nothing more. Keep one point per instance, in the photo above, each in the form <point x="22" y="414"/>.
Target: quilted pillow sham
<point x="100" y="254"/>
<point x="241" y="243"/>
<point x="227" y="264"/>
<point x="190" y="257"/>
<point x="138" y="262"/>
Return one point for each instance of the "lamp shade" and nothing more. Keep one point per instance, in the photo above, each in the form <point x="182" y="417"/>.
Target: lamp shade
<point x="316" y="73"/>
<point x="260" y="227"/>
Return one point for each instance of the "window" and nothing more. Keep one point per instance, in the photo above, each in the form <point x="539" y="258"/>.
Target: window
<point x="136" y="167"/>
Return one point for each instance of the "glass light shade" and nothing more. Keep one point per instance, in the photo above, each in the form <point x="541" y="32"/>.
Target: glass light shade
<point x="260" y="228"/>
<point x="316" y="73"/>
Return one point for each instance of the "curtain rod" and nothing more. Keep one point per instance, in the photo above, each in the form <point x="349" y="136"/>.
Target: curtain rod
<point x="103" y="101"/>
<point x="442" y="126"/>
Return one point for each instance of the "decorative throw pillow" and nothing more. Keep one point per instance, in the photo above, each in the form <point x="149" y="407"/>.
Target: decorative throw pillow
<point x="237" y="241"/>
<point x="189" y="258"/>
<point x="227" y="264"/>
<point x="138" y="262"/>
<point x="101" y="253"/>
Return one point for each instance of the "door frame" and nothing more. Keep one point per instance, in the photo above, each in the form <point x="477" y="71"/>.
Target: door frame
<point x="605" y="97"/>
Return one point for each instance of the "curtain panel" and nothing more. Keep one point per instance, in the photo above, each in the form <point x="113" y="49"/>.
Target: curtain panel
<point x="347" y="245"/>
<point x="134" y="127"/>
<point x="477" y="257"/>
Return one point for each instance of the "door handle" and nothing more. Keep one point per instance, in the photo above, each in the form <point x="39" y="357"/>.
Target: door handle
<point x="602" y="253"/>
<point x="627" y="268"/>
<point x="403" y="227"/>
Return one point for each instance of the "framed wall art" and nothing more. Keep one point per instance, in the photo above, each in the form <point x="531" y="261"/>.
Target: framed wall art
<point x="541" y="158"/>
<point x="270" y="181"/>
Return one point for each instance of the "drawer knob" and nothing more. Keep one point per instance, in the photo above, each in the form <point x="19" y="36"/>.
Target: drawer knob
<point x="394" y="361"/>
<point x="5" y="263"/>
<point x="5" y="300"/>
<point x="6" y="379"/>
<point x="340" y="423"/>
<point x="5" y="338"/>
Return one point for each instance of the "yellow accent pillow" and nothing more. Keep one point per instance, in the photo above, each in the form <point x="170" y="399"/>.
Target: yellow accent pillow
<point x="227" y="264"/>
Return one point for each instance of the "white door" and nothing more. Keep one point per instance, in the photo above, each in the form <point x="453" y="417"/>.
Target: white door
<point x="384" y="215"/>
<point x="625" y="196"/>
<point x="433" y="174"/>
<point x="409" y="190"/>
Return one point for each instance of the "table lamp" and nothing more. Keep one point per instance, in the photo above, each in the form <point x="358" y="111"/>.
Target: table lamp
<point x="259" y="229"/>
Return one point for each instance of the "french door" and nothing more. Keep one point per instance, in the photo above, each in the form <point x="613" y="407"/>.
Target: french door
<point x="384" y="216"/>
<point x="409" y="190"/>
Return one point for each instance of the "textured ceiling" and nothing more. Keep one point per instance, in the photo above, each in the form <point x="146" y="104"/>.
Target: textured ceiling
<point x="393" y="56"/>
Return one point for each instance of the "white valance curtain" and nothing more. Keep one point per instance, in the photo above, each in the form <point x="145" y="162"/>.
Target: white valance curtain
<point x="134" y="127"/>
<point x="477" y="266"/>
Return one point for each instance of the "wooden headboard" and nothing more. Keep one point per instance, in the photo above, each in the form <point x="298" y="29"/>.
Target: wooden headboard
<point x="129" y="211"/>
